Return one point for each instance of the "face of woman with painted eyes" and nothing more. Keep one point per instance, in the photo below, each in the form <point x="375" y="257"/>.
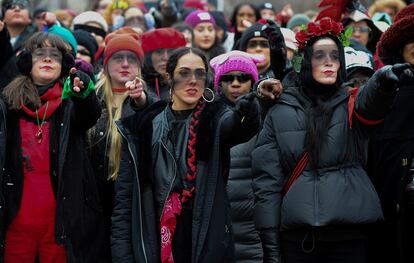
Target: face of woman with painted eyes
<point x="188" y="79"/>
<point x="123" y="66"/>
<point x="325" y="61"/>
<point x="46" y="65"/>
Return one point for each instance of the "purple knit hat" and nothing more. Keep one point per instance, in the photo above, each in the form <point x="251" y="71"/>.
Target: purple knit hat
<point x="199" y="16"/>
<point x="235" y="61"/>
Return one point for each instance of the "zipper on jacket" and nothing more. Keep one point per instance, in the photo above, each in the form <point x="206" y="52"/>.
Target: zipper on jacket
<point x="172" y="182"/>
<point x="139" y="192"/>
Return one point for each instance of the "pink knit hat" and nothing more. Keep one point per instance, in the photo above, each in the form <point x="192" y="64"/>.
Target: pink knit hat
<point x="235" y="61"/>
<point x="198" y="16"/>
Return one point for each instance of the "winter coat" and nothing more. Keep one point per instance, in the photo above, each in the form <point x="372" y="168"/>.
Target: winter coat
<point x="79" y="218"/>
<point x="390" y="159"/>
<point x="248" y="247"/>
<point x="337" y="192"/>
<point x="3" y="135"/>
<point x="138" y="206"/>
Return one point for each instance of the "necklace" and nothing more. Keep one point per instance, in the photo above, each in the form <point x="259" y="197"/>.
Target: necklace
<point x="39" y="133"/>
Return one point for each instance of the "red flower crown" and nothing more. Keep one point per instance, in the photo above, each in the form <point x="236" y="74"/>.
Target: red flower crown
<point x="319" y="28"/>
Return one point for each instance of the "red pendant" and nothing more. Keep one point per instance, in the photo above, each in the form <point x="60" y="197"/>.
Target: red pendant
<point x="39" y="136"/>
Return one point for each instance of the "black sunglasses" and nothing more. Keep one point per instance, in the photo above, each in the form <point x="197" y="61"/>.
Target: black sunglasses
<point x="241" y="77"/>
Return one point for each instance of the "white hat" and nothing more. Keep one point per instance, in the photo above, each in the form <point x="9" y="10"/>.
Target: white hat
<point x="289" y="37"/>
<point x="90" y="16"/>
<point x="357" y="59"/>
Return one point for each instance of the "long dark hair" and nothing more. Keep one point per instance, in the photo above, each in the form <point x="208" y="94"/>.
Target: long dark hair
<point x="318" y="110"/>
<point x="22" y="88"/>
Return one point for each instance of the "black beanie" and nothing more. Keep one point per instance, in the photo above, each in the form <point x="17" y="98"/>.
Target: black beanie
<point x="85" y="39"/>
<point x="220" y="20"/>
<point x="251" y="32"/>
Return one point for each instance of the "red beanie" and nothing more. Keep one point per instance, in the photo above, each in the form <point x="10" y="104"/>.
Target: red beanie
<point x="124" y="38"/>
<point x="162" y="38"/>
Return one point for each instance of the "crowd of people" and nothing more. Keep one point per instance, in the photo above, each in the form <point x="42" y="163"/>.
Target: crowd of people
<point x="178" y="134"/>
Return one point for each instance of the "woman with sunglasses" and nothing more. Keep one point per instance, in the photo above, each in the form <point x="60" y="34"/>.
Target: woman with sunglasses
<point x="313" y="196"/>
<point x="120" y="92"/>
<point x="51" y="204"/>
<point x="235" y="74"/>
<point x="171" y="202"/>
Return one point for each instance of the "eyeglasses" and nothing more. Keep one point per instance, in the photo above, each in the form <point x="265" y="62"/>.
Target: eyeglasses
<point x="185" y="74"/>
<point x="42" y="53"/>
<point x="321" y="56"/>
<point x="260" y="43"/>
<point x="361" y="29"/>
<point x="120" y="58"/>
<point x="241" y="78"/>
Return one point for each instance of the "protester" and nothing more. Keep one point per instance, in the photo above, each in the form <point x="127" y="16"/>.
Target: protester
<point x="158" y="46"/>
<point x="175" y="189"/>
<point x="244" y="15"/>
<point x="50" y="212"/>
<point x="313" y="196"/>
<point x="120" y="84"/>
<point x="204" y="28"/>
<point x="359" y="67"/>
<point x="235" y="75"/>
<point x="267" y="11"/>
<point x="392" y="150"/>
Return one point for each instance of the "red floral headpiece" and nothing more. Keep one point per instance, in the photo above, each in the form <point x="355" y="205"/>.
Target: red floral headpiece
<point x="325" y="26"/>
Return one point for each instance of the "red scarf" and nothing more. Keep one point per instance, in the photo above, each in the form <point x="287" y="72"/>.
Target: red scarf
<point x="54" y="98"/>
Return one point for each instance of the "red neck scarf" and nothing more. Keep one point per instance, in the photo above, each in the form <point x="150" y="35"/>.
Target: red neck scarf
<point x="54" y="98"/>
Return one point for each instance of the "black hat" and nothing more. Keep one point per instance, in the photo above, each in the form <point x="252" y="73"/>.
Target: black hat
<point x="85" y="39"/>
<point x="251" y="32"/>
<point x="267" y="5"/>
<point x="220" y="20"/>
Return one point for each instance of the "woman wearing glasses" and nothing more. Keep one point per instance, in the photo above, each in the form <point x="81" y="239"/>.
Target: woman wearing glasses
<point x="171" y="202"/>
<point x="120" y="91"/>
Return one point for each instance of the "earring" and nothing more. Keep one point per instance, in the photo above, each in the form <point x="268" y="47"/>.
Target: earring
<point x="211" y="97"/>
<point x="171" y="96"/>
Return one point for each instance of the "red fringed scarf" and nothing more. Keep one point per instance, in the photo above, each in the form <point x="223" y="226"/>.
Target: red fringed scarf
<point x="173" y="206"/>
<point x="54" y="98"/>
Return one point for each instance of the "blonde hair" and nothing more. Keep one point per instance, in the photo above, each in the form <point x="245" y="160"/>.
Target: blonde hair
<point x="113" y="137"/>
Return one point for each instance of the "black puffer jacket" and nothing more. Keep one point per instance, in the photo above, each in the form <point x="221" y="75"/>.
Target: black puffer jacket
<point x="338" y="191"/>
<point x="135" y="221"/>
<point x="248" y="247"/>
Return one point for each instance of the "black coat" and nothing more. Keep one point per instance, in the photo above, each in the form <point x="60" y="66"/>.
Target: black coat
<point x="390" y="159"/>
<point x="337" y="191"/>
<point x="79" y="219"/>
<point x="135" y="221"/>
<point x="248" y="247"/>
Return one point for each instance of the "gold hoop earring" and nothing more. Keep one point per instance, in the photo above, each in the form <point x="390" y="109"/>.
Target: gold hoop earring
<point x="212" y="95"/>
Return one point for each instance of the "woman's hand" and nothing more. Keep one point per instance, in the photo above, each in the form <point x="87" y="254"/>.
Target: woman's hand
<point x="269" y="89"/>
<point x="136" y="91"/>
<point x="79" y="80"/>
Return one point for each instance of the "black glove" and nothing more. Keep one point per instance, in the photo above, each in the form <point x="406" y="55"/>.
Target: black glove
<point x="270" y="245"/>
<point x="273" y="34"/>
<point x="68" y="62"/>
<point x="83" y="77"/>
<point x="247" y="107"/>
<point x="278" y="51"/>
<point x="389" y="76"/>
